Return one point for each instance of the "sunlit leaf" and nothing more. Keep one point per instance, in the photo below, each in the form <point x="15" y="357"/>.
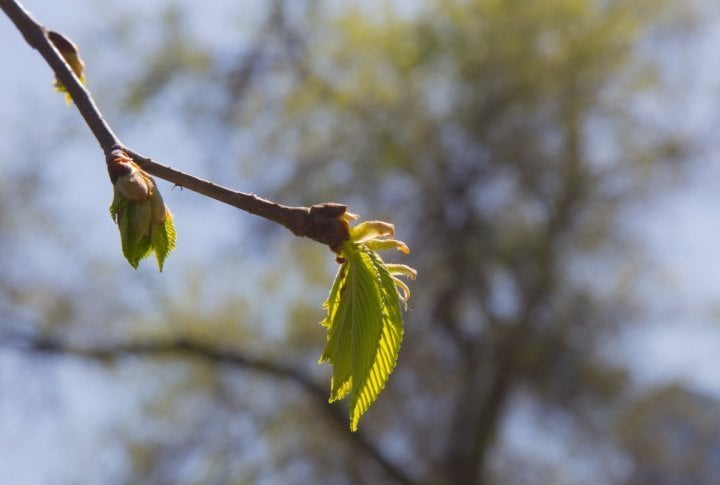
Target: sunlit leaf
<point x="368" y="230"/>
<point x="163" y="239"/>
<point x="402" y="270"/>
<point x="365" y="329"/>
<point x="383" y="244"/>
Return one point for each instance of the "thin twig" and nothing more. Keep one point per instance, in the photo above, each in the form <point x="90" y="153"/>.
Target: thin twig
<point x="320" y="222"/>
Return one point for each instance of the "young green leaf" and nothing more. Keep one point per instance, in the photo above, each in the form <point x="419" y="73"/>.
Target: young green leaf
<point x="163" y="238"/>
<point x="364" y="320"/>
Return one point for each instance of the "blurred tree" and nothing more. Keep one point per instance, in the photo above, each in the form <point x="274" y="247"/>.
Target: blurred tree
<point x="502" y="136"/>
<point x="673" y="437"/>
<point x="503" y="139"/>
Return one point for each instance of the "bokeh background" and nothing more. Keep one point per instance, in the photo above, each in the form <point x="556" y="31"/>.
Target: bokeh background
<point x="552" y="165"/>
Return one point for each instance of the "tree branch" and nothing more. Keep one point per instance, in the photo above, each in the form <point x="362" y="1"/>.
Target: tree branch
<point x="207" y="353"/>
<point x="320" y="222"/>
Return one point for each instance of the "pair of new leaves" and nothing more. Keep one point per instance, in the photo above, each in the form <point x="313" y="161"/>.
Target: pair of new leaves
<point x="364" y="318"/>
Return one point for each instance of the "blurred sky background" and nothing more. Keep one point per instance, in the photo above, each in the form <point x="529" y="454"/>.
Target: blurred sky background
<point x="66" y="420"/>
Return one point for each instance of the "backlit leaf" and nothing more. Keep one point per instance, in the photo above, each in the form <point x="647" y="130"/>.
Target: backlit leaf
<point x="365" y="329"/>
<point x="163" y="238"/>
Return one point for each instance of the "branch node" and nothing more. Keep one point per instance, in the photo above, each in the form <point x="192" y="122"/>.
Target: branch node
<point x="325" y="224"/>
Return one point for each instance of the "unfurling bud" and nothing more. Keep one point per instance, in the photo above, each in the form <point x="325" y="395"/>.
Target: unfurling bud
<point x="128" y="178"/>
<point x="145" y="223"/>
<point x="70" y="53"/>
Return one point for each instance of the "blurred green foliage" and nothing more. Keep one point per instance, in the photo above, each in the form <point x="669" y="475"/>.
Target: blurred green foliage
<point x="501" y="138"/>
<point x="504" y="140"/>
